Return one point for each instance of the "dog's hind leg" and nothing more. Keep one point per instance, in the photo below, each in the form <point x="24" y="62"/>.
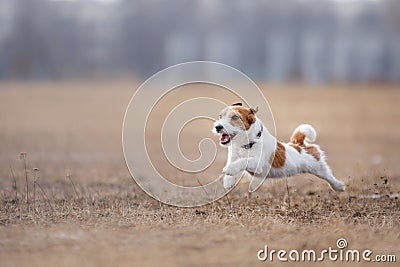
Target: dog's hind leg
<point x="323" y="171"/>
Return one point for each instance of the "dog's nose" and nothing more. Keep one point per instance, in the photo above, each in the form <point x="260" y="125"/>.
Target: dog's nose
<point x="218" y="128"/>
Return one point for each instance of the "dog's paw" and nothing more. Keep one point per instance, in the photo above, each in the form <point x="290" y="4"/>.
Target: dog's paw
<point x="231" y="170"/>
<point x="225" y="168"/>
<point x="338" y="186"/>
<point x="229" y="181"/>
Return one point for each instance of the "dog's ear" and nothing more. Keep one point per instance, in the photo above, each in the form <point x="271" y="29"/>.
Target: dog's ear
<point x="237" y="104"/>
<point x="254" y="111"/>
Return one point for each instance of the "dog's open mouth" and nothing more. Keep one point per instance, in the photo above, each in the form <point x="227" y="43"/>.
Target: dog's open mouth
<point x="226" y="138"/>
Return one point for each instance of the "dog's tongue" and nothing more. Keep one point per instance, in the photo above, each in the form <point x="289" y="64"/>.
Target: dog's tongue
<point x="225" y="138"/>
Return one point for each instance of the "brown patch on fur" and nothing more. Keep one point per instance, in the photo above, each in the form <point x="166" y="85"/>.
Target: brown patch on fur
<point x="247" y="117"/>
<point x="297" y="147"/>
<point x="278" y="159"/>
<point x="298" y="138"/>
<point x="313" y="151"/>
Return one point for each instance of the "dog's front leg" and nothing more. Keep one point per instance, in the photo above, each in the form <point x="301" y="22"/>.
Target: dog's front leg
<point x="229" y="181"/>
<point x="251" y="164"/>
<point x="234" y="168"/>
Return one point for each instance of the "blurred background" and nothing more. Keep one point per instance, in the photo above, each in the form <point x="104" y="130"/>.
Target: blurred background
<point x="68" y="69"/>
<point x="312" y="41"/>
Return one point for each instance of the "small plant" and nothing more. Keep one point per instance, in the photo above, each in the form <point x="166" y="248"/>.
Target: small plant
<point x="15" y="185"/>
<point x="22" y="156"/>
<point x="73" y="185"/>
<point x="35" y="177"/>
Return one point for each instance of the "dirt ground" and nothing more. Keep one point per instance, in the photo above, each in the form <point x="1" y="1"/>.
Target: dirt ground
<point x="86" y="210"/>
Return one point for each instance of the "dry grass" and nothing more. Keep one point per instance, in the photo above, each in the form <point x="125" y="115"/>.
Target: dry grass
<point x="84" y="209"/>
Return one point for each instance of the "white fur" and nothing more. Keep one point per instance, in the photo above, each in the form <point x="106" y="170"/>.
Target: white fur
<point x="257" y="158"/>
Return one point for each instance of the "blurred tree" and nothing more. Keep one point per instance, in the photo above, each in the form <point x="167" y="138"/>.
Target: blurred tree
<point x="314" y="41"/>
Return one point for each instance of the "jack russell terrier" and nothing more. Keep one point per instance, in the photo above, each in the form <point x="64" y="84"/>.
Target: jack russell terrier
<point x="252" y="148"/>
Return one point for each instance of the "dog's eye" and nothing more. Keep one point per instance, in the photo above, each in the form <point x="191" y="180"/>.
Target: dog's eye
<point x="235" y="117"/>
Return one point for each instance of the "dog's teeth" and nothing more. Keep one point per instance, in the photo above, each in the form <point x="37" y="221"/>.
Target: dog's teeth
<point x="225" y="138"/>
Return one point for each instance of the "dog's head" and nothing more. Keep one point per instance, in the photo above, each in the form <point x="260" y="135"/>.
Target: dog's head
<point x="234" y="122"/>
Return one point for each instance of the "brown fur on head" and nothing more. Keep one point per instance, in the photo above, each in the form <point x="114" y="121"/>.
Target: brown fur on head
<point x="234" y="120"/>
<point x="246" y="115"/>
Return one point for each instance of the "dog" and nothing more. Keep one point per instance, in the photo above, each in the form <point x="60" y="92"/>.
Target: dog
<point x="253" y="149"/>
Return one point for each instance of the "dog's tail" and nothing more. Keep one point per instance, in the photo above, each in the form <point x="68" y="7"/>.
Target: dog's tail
<point x="304" y="132"/>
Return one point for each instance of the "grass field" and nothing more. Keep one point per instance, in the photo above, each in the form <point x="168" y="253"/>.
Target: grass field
<point x="85" y="209"/>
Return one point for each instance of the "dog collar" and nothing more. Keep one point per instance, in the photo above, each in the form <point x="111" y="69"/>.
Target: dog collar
<point x="260" y="132"/>
<point x="251" y="144"/>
